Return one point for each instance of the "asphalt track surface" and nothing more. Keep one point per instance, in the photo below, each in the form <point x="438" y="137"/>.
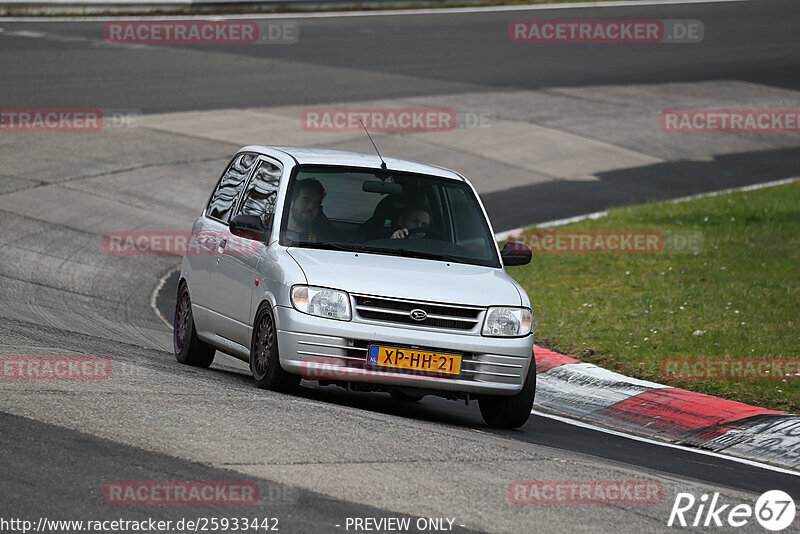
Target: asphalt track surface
<point x="325" y="454"/>
<point x="384" y="57"/>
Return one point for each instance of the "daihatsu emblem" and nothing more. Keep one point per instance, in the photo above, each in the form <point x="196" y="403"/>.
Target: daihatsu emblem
<point x="418" y="314"/>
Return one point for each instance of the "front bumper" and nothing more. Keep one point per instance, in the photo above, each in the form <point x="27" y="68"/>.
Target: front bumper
<point x="328" y="350"/>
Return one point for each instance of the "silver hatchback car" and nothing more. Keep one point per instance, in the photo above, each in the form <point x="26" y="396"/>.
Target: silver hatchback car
<point x="375" y="274"/>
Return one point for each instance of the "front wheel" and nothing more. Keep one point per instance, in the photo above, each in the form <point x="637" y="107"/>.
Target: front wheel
<point x="512" y="411"/>
<point x="189" y="349"/>
<point x="264" y="360"/>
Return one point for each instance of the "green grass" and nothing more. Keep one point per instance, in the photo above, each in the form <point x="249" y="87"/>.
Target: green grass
<point x="629" y="312"/>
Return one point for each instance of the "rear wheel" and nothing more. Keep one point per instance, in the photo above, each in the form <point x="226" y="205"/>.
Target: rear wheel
<point x="189" y="349"/>
<point x="264" y="360"/>
<point x="512" y="411"/>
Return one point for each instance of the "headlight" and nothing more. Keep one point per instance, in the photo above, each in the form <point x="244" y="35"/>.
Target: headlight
<point x="507" y="322"/>
<point x="322" y="302"/>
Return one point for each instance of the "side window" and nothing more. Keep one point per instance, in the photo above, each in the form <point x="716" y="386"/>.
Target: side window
<point x="262" y="192"/>
<point x="224" y="197"/>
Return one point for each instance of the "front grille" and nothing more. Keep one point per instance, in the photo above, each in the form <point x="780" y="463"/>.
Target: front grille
<point x="390" y="310"/>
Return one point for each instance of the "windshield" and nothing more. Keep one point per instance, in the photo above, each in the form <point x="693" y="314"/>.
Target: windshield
<point x="386" y="212"/>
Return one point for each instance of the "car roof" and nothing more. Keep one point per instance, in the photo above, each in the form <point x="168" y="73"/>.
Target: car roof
<point x="312" y="155"/>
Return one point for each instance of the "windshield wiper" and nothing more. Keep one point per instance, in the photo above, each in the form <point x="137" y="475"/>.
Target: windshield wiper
<point x="412" y="254"/>
<point x="321" y="244"/>
<point x="404" y="252"/>
<point x="430" y="255"/>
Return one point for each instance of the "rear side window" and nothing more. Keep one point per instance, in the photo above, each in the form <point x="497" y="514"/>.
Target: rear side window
<point x="262" y="192"/>
<point x="224" y="197"/>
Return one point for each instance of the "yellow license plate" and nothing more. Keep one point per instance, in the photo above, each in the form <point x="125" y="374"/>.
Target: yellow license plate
<point x="416" y="360"/>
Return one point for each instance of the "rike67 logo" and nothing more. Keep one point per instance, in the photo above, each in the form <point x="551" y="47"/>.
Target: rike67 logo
<point x="774" y="510"/>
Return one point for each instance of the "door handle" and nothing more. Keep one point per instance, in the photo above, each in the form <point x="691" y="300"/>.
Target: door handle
<point x="207" y="241"/>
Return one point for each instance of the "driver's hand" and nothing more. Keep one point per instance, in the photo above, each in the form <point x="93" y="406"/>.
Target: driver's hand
<point x="402" y="233"/>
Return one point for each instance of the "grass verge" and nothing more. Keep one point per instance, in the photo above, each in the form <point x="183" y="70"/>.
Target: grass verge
<point x="738" y="298"/>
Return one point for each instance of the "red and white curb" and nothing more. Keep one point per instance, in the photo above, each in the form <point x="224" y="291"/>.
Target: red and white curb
<point x="584" y="391"/>
<point x="610" y="400"/>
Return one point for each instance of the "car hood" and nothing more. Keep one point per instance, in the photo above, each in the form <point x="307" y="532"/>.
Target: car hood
<point x="407" y="278"/>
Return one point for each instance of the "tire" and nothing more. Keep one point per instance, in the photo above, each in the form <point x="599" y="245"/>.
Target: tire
<point x="402" y="396"/>
<point x="512" y="411"/>
<point x="189" y="349"/>
<point x="264" y="360"/>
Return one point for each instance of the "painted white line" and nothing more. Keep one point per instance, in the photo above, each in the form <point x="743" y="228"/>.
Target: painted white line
<point x="736" y="190"/>
<point x="34" y="35"/>
<point x="737" y="459"/>
<point x="549" y="224"/>
<point x="381" y="13"/>
<point x="501" y="236"/>
<point x="558" y="222"/>
<point x="577" y="218"/>
<point x="154" y="294"/>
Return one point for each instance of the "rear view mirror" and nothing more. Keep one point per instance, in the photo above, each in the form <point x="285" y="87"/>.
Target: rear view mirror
<point x="249" y="226"/>
<point x="384" y="188"/>
<point x="516" y="253"/>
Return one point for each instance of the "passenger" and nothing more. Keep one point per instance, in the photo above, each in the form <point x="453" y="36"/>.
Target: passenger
<point x="305" y="208"/>
<point x="412" y="223"/>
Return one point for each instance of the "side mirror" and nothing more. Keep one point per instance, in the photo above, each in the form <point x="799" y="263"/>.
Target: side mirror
<point x="248" y="226"/>
<point x="516" y="253"/>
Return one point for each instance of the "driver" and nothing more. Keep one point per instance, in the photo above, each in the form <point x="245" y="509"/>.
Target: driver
<point x="305" y="207"/>
<point x="412" y="223"/>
